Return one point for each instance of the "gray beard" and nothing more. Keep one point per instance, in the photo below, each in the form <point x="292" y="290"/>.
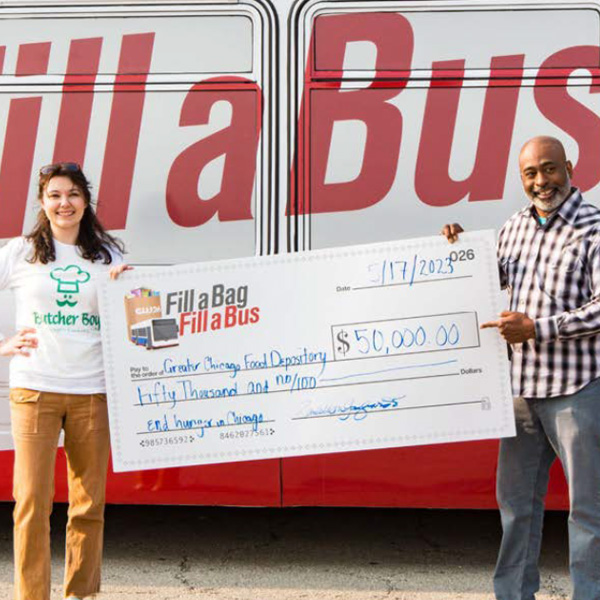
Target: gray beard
<point x="551" y="205"/>
<point x="548" y="206"/>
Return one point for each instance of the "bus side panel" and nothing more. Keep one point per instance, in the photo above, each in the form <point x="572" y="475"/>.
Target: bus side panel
<point x="162" y="106"/>
<point x="253" y="483"/>
<point x="404" y="127"/>
<point x="443" y="476"/>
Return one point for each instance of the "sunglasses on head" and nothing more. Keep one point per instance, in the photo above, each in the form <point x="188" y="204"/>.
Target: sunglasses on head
<point x="63" y="166"/>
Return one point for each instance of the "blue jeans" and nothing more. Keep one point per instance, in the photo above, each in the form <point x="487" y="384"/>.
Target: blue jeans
<point x="567" y="427"/>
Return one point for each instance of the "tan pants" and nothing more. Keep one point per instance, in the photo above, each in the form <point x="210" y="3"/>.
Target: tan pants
<point x="37" y="418"/>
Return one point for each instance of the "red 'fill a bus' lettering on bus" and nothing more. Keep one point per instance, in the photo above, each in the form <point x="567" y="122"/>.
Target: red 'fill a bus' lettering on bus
<point x="124" y="129"/>
<point x="22" y="128"/>
<point x="559" y="107"/>
<point x="322" y="108"/>
<point x="325" y="103"/>
<point x="433" y="183"/>
<point x="238" y="143"/>
<point x="19" y="141"/>
<point x="77" y="100"/>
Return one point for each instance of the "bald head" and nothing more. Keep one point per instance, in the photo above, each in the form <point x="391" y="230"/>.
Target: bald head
<point x="546" y="142"/>
<point x="545" y="173"/>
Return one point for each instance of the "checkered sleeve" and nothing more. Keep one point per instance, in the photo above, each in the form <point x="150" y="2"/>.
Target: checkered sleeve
<point x="504" y="236"/>
<point x="583" y="321"/>
<point x="547" y="328"/>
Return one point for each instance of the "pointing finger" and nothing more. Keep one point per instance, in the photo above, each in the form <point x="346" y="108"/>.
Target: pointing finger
<point x="490" y="324"/>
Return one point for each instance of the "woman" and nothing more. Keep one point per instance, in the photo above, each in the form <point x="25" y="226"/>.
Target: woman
<point x="57" y="380"/>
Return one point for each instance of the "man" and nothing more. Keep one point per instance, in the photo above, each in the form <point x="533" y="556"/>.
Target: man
<point x="549" y="259"/>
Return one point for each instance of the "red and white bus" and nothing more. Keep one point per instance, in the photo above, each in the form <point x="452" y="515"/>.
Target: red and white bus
<point x="232" y="128"/>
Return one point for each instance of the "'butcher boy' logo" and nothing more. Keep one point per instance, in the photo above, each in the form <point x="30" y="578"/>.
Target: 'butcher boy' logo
<point x="220" y="308"/>
<point x="68" y="280"/>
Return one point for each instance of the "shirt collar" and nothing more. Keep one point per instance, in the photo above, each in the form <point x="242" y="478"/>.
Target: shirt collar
<point x="567" y="210"/>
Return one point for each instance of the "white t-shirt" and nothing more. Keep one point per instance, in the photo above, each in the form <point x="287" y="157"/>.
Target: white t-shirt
<point x="59" y="300"/>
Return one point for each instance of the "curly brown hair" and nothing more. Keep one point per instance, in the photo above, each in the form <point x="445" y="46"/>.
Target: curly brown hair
<point x="93" y="241"/>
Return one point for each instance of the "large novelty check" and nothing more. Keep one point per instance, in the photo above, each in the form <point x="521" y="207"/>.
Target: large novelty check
<point x="344" y="349"/>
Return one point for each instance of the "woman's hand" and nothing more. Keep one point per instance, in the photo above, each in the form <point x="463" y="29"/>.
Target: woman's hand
<point x="117" y="270"/>
<point x="19" y="344"/>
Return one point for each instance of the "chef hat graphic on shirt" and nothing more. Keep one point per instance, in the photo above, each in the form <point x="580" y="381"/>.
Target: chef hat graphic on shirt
<point x="69" y="278"/>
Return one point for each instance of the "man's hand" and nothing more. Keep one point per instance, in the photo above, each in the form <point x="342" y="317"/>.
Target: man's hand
<point x="19" y="344"/>
<point x="451" y="232"/>
<point x="514" y="327"/>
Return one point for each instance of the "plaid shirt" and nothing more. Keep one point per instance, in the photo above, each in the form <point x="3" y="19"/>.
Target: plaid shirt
<point x="552" y="272"/>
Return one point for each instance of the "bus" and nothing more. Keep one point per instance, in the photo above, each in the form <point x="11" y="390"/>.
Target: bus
<point x="217" y="129"/>
<point x="155" y="333"/>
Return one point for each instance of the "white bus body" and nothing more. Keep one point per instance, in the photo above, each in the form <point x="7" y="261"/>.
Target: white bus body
<point x="224" y="129"/>
<point x="155" y="333"/>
